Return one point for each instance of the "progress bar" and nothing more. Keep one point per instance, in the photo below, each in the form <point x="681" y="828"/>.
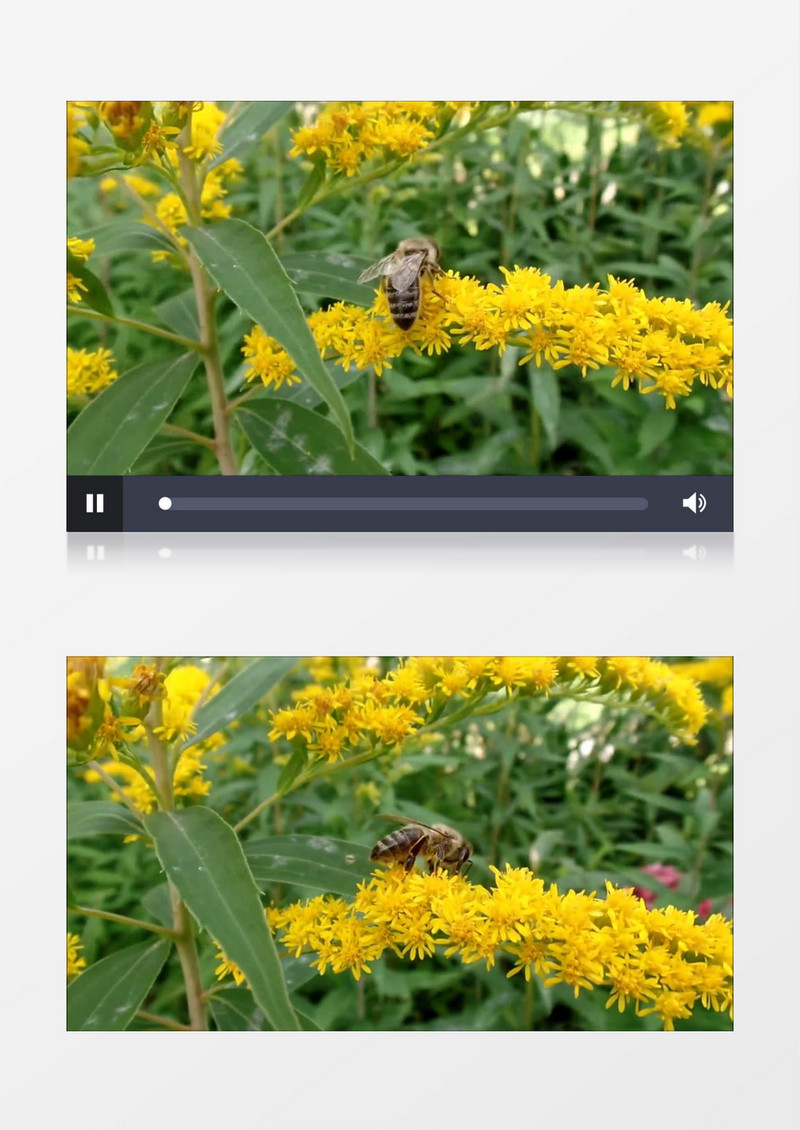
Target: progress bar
<point x="483" y="502"/>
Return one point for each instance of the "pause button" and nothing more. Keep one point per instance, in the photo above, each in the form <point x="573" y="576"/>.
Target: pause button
<point x="94" y="504"/>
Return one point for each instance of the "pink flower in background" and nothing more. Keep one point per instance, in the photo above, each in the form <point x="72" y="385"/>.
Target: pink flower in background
<point x="670" y="877"/>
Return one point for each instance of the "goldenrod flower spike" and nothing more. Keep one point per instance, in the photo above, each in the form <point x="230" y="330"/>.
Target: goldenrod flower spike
<point x="662" y="961"/>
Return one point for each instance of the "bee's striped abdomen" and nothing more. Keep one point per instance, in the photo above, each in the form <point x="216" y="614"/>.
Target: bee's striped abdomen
<point x="403" y="305"/>
<point x="396" y="844"/>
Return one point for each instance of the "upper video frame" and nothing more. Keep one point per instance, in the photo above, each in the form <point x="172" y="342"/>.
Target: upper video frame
<point x="566" y="289"/>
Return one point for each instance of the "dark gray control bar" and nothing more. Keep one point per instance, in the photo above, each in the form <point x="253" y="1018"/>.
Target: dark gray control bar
<point x="381" y="504"/>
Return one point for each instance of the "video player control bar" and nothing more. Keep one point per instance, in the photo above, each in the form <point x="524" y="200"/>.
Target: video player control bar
<point x="386" y="503"/>
<point x="484" y="502"/>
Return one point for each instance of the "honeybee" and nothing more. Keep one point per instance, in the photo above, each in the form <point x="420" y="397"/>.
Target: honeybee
<point x="439" y="845"/>
<point x="401" y="272"/>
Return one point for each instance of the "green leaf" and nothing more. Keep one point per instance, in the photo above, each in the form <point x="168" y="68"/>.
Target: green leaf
<point x="158" y="904"/>
<point x="546" y="395"/>
<point x="100" y="818"/>
<point x="241" y="261"/>
<point x="657" y="427"/>
<point x="307" y="396"/>
<point x="330" y="275"/>
<point x="179" y="314"/>
<point x="248" y="127"/>
<point x="127" y="235"/>
<point x="240" y="695"/>
<point x="95" y="294"/>
<point x="106" y="996"/>
<point x="577" y="427"/>
<point x="235" y="1010"/>
<point x="291" y="770"/>
<point x="313" y="181"/>
<point x="114" y="429"/>
<point x="294" y="441"/>
<point x="204" y="860"/>
<point x="319" y="863"/>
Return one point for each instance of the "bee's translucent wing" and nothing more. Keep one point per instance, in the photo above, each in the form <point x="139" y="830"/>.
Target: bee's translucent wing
<point x="407" y="270"/>
<point x="379" y="268"/>
<point x="395" y="818"/>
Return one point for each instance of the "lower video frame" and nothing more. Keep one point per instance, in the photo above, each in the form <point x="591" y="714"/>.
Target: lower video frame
<point x="428" y="843"/>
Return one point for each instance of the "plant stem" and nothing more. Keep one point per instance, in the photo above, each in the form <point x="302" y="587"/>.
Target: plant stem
<point x="162" y="1021"/>
<point x="181" y="922"/>
<point x="184" y="433"/>
<point x="116" y="319"/>
<point x="325" y="771"/>
<point x="233" y="404"/>
<point x="117" y="788"/>
<point x="205" y="297"/>
<point x="92" y="912"/>
<point x="255" y="812"/>
<point x="528" y="1015"/>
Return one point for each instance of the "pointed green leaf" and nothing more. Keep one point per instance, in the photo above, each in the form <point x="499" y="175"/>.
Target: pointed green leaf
<point x="179" y="314"/>
<point x="317" y="862"/>
<point x="100" y="818"/>
<point x="93" y="293"/>
<point x="291" y="770"/>
<point x="158" y="904"/>
<point x="204" y="860"/>
<point x="127" y="235"/>
<point x="295" y="441"/>
<point x="313" y="181"/>
<point x="106" y="996"/>
<point x="249" y="125"/>
<point x="657" y="426"/>
<point x="240" y="695"/>
<point x="546" y="395"/>
<point x="241" y="261"/>
<point x="235" y="1010"/>
<point x="330" y="275"/>
<point x="115" y="428"/>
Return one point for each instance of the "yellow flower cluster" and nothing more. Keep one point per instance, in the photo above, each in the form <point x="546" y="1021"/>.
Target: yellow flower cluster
<point x="335" y="720"/>
<point x="81" y="249"/>
<point x="717" y="671"/>
<point x="663" y="960"/>
<point x="171" y="211"/>
<point x="666" y="344"/>
<point x="350" y="133"/>
<point x="139" y="184"/>
<point x="76" y="146"/>
<point x="74" y="963"/>
<point x="180" y="693"/>
<point x="83" y="672"/>
<point x="668" y="121"/>
<point x="88" y="372"/>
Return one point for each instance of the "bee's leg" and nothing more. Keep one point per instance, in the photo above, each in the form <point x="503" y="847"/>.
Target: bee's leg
<point x="412" y="854"/>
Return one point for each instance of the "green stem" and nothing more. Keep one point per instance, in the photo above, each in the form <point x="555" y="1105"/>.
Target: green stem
<point x="92" y="912"/>
<point x="326" y="770"/>
<point x="181" y="922"/>
<point x="234" y="404"/>
<point x="184" y="433"/>
<point x="117" y="788"/>
<point x="205" y="297"/>
<point x="162" y="1021"/>
<point x="133" y="324"/>
<point x="528" y="1014"/>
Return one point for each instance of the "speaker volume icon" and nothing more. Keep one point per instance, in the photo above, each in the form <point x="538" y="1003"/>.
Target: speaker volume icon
<point x="696" y="503"/>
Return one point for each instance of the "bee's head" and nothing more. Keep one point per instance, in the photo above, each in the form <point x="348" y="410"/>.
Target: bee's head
<point x="420" y="243"/>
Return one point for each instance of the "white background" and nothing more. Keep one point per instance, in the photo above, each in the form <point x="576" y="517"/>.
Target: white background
<point x="403" y="594"/>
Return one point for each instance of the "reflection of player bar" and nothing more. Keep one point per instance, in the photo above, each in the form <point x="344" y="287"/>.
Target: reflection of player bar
<point x="486" y="502"/>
